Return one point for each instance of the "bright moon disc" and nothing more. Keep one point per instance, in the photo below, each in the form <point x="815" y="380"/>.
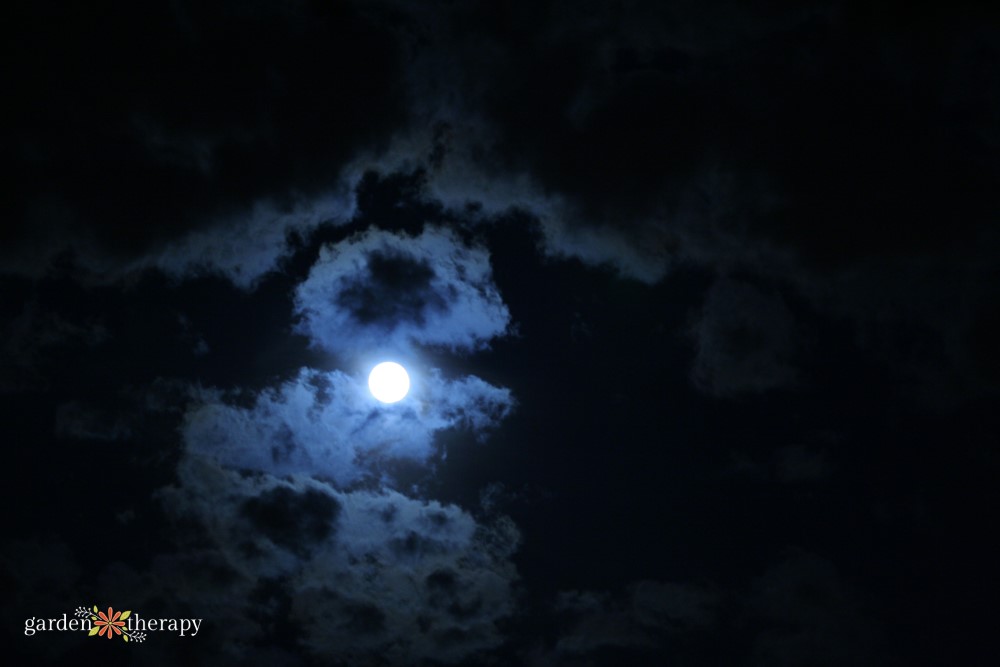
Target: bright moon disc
<point x="389" y="382"/>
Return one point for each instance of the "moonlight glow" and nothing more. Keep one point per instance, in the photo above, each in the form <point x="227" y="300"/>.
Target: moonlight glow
<point x="389" y="382"/>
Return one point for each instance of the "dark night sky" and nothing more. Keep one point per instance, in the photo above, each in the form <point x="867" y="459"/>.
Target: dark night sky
<point x="699" y="301"/>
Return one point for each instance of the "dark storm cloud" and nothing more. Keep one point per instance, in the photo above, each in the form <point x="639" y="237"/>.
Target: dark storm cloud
<point x="39" y="575"/>
<point x="745" y="340"/>
<point x="30" y="336"/>
<point x="379" y="290"/>
<point x="806" y="463"/>
<point x="623" y="112"/>
<point x="133" y="129"/>
<point x="839" y="153"/>
<point x="805" y="610"/>
<point x="44" y="570"/>
<point x="602" y="123"/>
<point x="799" y="463"/>
<point x="824" y="148"/>
<point x="648" y="616"/>
<point x="800" y="610"/>
<point x="76" y="419"/>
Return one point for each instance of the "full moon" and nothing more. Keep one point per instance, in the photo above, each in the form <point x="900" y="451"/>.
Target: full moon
<point x="389" y="382"/>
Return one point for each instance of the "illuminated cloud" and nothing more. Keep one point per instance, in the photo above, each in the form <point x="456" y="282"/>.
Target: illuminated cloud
<point x="241" y="247"/>
<point x="273" y="485"/>
<point x="458" y="175"/>
<point x="362" y="573"/>
<point x="388" y="291"/>
<point x="246" y="247"/>
<point x="327" y="424"/>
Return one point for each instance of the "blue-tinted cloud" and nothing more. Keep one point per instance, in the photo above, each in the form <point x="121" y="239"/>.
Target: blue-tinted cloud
<point x="328" y="425"/>
<point x="248" y="246"/>
<point x="386" y="291"/>
<point x="363" y="573"/>
<point x="241" y="247"/>
<point x="358" y="573"/>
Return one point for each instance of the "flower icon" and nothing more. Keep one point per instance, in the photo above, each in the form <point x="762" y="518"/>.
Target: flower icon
<point x="108" y="625"/>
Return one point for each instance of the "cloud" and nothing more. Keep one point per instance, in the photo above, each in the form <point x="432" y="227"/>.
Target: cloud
<point x="179" y="138"/>
<point x="807" y="610"/>
<point x="76" y="419"/>
<point x="29" y="338"/>
<point x="803" y="463"/>
<point x="42" y="579"/>
<point x="245" y="247"/>
<point x="354" y="576"/>
<point x="453" y="158"/>
<point x="650" y="616"/>
<point x="627" y="137"/>
<point x="328" y="425"/>
<point x="668" y="138"/>
<point x="800" y="610"/>
<point x="656" y="151"/>
<point x="745" y="341"/>
<point x="379" y="290"/>
<point x="45" y="570"/>
<point x="800" y="463"/>
<point x="241" y="247"/>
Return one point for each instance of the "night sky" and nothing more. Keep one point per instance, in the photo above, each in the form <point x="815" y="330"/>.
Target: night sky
<point x="700" y="303"/>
